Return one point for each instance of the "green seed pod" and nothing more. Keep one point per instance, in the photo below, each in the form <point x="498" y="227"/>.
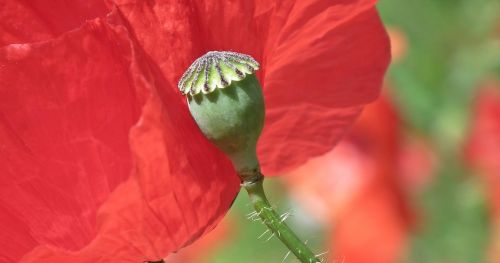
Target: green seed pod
<point x="225" y="99"/>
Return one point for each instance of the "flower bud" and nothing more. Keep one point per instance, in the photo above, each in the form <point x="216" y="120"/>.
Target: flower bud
<point x="225" y="99"/>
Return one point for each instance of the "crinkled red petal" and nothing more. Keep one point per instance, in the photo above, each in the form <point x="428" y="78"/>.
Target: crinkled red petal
<point x="24" y="21"/>
<point x="76" y="114"/>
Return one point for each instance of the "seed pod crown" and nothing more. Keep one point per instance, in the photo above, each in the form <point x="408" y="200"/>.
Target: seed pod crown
<point x="216" y="69"/>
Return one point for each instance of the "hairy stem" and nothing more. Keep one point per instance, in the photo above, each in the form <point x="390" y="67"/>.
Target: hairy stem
<point x="275" y="223"/>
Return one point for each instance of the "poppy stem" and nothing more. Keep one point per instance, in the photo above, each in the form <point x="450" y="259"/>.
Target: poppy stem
<point x="275" y="223"/>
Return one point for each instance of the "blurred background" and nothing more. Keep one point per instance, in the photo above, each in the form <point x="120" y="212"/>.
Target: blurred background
<point x="418" y="177"/>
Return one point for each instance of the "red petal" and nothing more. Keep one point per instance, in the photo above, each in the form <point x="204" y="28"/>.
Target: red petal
<point x="130" y="232"/>
<point x="67" y="108"/>
<point x="24" y="21"/>
<point x="327" y="61"/>
<point x="188" y="186"/>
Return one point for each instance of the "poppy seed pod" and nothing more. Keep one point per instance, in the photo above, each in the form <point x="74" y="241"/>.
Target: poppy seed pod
<point x="225" y="99"/>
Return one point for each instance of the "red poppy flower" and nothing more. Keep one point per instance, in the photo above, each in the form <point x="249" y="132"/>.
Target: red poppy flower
<point x="483" y="149"/>
<point x="100" y="159"/>
<point x="358" y="188"/>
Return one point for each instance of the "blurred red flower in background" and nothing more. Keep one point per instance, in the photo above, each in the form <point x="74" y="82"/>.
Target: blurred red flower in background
<point x="483" y="151"/>
<point x="359" y="187"/>
<point x="362" y="186"/>
<point x="100" y="160"/>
